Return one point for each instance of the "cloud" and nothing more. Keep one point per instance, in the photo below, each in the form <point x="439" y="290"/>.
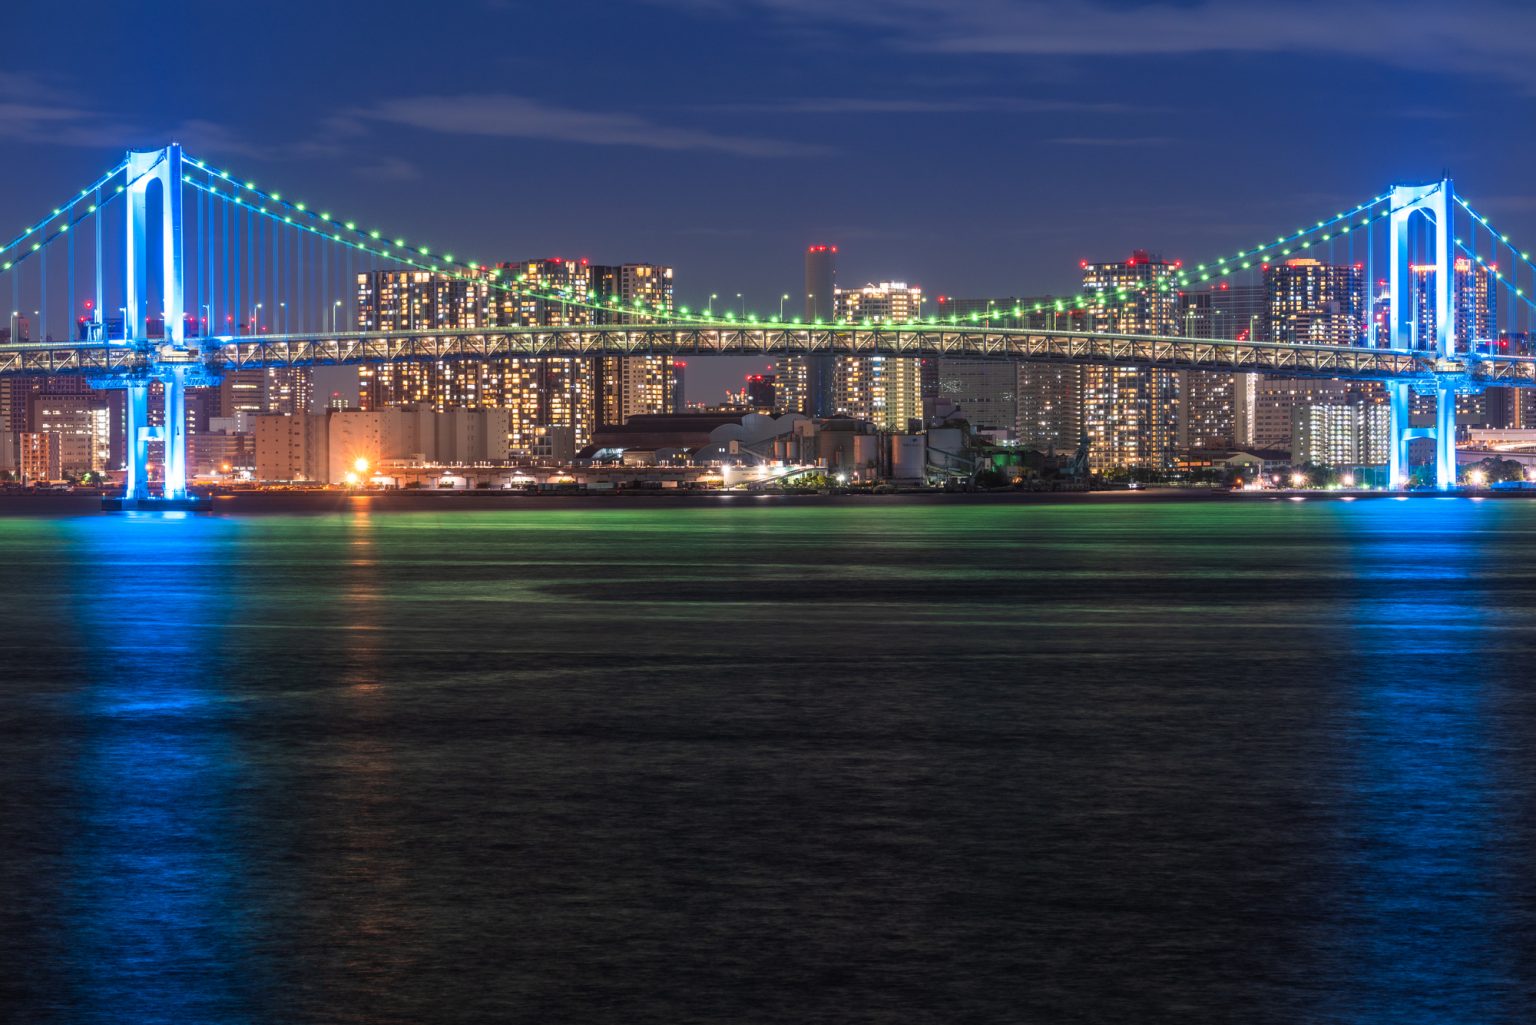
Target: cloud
<point x="35" y="111"/>
<point x="389" y="169"/>
<point x="517" y="117"/>
<point x="914" y="105"/>
<point x="39" y="113"/>
<point x="1483" y="38"/>
<point x="1108" y="140"/>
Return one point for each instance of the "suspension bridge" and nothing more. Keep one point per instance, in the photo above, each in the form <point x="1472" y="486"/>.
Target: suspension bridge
<point x="253" y="251"/>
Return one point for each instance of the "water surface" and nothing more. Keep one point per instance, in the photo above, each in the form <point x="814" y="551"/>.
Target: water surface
<point x="880" y="762"/>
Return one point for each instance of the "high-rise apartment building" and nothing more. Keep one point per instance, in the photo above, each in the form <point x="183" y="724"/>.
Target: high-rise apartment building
<point x="1216" y="408"/>
<point x="553" y="401"/>
<point x="1308" y="302"/>
<point x="395" y="300"/>
<point x="886" y="390"/>
<point x="1474" y="304"/>
<point x="632" y="293"/>
<point x="1353" y="432"/>
<point x="1276" y="397"/>
<point x="1313" y="303"/>
<point x="1131" y="414"/>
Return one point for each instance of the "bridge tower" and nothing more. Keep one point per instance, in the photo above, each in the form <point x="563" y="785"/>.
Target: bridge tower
<point x="1435" y="202"/>
<point x="170" y="361"/>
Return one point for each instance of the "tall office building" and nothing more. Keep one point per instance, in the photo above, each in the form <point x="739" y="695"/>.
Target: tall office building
<point x="1131" y="414"/>
<point x="820" y="284"/>
<point x="806" y="382"/>
<point x="985" y="393"/>
<point x="81" y="425"/>
<point x="260" y="390"/>
<point x="886" y="390"/>
<point x="632" y="293"/>
<point x="1040" y="403"/>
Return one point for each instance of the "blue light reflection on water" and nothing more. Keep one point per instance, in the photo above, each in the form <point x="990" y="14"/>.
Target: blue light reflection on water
<point x="159" y="928"/>
<point x="1418" y="925"/>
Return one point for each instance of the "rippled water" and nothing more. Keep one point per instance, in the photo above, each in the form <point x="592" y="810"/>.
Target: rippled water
<point x="1212" y="762"/>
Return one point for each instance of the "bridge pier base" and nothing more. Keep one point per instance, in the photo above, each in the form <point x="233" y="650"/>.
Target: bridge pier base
<point x="136" y="441"/>
<point x="1445" y="439"/>
<point x="174" y="434"/>
<point x="1443" y="434"/>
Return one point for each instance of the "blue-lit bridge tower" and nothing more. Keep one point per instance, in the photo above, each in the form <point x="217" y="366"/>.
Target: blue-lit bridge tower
<point x="1434" y="202"/>
<point x="168" y="360"/>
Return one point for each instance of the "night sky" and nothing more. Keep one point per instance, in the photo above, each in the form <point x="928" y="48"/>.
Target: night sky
<point x="975" y="148"/>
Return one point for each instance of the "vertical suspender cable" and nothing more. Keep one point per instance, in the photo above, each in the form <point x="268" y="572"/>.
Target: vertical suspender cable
<point x="100" y="314"/>
<point x="69" y="290"/>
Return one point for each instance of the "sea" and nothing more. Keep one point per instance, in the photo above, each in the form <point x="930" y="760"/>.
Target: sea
<point x="844" y="761"/>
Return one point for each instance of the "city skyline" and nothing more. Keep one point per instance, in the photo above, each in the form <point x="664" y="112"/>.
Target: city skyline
<point x="749" y="512"/>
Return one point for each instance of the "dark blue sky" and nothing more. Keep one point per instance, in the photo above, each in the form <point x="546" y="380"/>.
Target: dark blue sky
<point x="972" y="147"/>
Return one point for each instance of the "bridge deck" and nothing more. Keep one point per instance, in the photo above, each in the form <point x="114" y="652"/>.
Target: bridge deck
<point x="1033" y="346"/>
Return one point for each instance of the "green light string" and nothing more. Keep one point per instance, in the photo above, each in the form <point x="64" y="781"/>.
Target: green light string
<point x="376" y="243"/>
<point x="62" y="208"/>
<point x="1522" y="256"/>
<point x="457" y="271"/>
<point x="1498" y="275"/>
<point x="614" y="307"/>
<point x="373" y="242"/>
<point x="1223" y="267"/>
<point x="64" y="229"/>
<point x="398" y="250"/>
<point x="1287" y="245"/>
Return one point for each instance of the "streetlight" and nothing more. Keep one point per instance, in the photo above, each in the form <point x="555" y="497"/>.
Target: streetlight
<point x="743" y="303"/>
<point x="255" y="318"/>
<point x="782" y="300"/>
<point x="207" y="317"/>
<point x="15" y="315"/>
<point x="335" y="308"/>
<point x="284" y="308"/>
<point x="709" y="307"/>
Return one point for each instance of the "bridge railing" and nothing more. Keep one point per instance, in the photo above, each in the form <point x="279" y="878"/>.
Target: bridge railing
<point x="1016" y="344"/>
